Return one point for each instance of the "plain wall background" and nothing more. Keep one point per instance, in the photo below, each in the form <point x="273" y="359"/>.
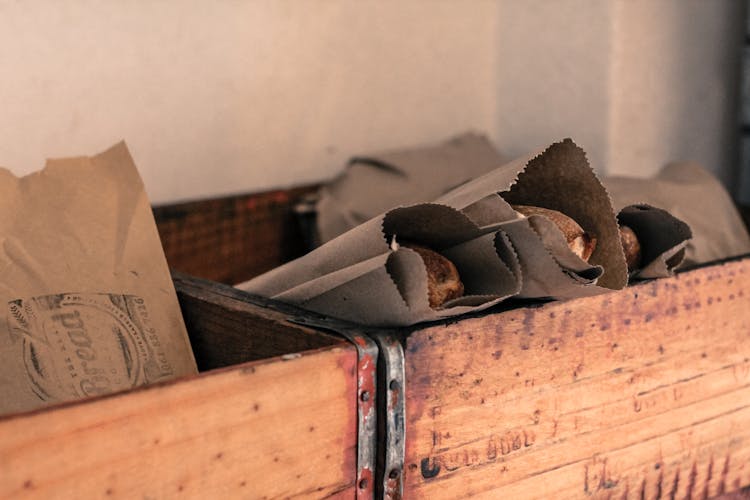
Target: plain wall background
<point x="233" y="96"/>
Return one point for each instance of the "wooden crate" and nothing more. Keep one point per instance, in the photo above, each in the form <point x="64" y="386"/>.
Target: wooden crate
<point x="272" y="415"/>
<point x="642" y="393"/>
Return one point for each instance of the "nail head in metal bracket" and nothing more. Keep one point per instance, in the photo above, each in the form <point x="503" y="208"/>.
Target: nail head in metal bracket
<point x="392" y="354"/>
<point x="367" y="356"/>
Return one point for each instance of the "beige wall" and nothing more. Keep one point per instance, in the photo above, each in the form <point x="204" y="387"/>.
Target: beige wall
<point x="637" y="83"/>
<point x="553" y="75"/>
<point x="230" y="96"/>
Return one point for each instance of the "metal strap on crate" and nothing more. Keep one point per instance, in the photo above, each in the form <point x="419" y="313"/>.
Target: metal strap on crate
<point x="367" y="385"/>
<point x="380" y="394"/>
<point x="380" y="352"/>
<point x="392" y="402"/>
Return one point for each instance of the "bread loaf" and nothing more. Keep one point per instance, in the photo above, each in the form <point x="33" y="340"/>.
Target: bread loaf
<point x="579" y="241"/>
<point x="632" y="248"/>
<point x="443" y="280"/>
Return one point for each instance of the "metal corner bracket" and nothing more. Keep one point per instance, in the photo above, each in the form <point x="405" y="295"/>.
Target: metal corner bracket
<point x="380" y="406"/>
<point x="367" y="385"/>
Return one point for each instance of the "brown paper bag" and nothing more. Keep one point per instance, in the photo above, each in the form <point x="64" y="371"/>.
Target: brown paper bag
<point x="691" y="194"/>
<point x="90" y="307"/>
<point x="362" y="277"/>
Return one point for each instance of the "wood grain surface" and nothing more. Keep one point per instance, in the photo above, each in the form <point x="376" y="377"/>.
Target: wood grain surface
<point x="234" y="238"/>
<point x="268" y="429"/>
<point x="225" y="329"/>
<point x="642" y="393"/>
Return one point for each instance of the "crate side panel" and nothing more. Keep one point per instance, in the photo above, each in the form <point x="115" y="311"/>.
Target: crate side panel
<point x="645" y="389"/>
<point x="270" y="429"/>
<point x="226" y="329"/>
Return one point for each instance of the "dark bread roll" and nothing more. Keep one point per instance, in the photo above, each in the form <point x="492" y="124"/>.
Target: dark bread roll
<point x="579" y="241"/>
<point x="632" y="248"/>
<point x="443" y="280"/>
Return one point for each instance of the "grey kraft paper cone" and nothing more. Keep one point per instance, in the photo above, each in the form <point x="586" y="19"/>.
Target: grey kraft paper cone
<point x="89" y="303"/>
<point x="363" y="277"/>
<point x="691" y="194"/>
<point x="559" y="178"/>
<point x="662" y="236"/>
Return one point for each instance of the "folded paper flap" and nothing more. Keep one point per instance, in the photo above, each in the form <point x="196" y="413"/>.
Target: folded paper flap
<point x="495" y="181"/>
<point x="556" y="244"/>
<point x="483" y="268"/>
<point x="561" y="179"/>
<point x="509" y="255"/>
<point x="490" y="211"/>
<point x="371" y="299"/>
<point x="657" y="230"/>
<point x="430" y="224"/>
<point x="542" y="275"/>
<point x="81" y="253"/>
<point x="409" y="273"/>
<point x="665" y="264"/>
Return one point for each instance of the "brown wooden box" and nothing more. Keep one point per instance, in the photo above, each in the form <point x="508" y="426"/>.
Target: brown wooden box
<point x="272" y="415"/>
<point x="642" y="393"/>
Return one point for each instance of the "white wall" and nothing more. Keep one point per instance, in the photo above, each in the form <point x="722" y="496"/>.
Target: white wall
<point x="231" y="96"/>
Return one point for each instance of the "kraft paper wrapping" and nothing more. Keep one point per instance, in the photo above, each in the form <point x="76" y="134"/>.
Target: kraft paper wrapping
<point x="372" y="184"/>
<point x="90" y="307"/>
<point x="499" y="253"/>
<point x="662" y="236"/>
<point x="361" y="276"/>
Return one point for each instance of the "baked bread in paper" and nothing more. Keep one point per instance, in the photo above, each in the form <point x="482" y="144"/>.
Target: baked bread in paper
<point x="372" y="184"/>
<point x="661" y="238"/>
<point x="457" y="198"/>
<point x="359" y="277"/>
